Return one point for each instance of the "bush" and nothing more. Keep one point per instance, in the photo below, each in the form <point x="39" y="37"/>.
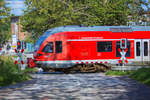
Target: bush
<point x="8" y="72"/>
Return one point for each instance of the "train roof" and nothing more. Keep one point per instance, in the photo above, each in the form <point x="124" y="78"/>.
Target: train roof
<point x="73" y="28"/>
<point x="97" y="28"/>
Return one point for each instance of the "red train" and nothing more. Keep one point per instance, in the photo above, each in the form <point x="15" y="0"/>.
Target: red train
<point x="66" y="46"/>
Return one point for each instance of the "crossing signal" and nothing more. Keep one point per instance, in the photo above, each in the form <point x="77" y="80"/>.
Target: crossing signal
<point x="123" y="44"/>
<point x="18" y="45"/>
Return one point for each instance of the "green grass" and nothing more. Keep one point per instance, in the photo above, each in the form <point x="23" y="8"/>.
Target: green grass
<point x="118" y="73"/>
<point x="142" y="75"/>
<point x="29" y="70"/>
<point x="8" y="72"/>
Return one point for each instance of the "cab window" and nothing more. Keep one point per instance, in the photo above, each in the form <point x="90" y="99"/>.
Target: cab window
<point x="48" y="48"/>
<point x="58" y="46"/>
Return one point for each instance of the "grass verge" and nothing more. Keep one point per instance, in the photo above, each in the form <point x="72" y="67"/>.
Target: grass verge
<point x="142" y="75"/>
<point x="8" y="72"/>
<point x="118" y="73"/>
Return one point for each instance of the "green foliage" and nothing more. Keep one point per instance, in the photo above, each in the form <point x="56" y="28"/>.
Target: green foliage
<point x="29" y="39"/>
<point x="4" y="22"/>
<point x="109" y="12"/>
<point x="142" y="75"/>
<point x="5" y="32"/>
<point x="8" y="72"/>
<point x="3" y="10"/>
<point x="118" y="73"/>
<point x="45" y="14"/>
<point x="137" y="12"/>
<point x="29" y="70"/>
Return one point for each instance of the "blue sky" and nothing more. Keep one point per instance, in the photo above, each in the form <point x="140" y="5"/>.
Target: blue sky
<point x="17" y="6"/>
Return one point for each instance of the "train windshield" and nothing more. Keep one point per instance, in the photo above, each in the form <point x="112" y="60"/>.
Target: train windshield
<point x="39" y="43"/>
<point x="41" y="40"/>
<point x="46" y="35"/>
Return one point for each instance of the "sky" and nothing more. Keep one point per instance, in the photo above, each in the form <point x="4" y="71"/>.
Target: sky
<point x="17" y="6"/>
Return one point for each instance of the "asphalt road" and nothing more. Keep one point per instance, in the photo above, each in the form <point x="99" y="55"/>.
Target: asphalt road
<point x="87" y="86"/>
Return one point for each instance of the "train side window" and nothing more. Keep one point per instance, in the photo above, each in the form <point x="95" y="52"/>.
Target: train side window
<point x="104" y="46"/>
<point x="58" y="46"/>
<point x="138" y="50"/>
<point x="128" y="54"/>
<point x="117" y="49"/>
<point x="48" y="48"/>
<point x="145" y="48"/>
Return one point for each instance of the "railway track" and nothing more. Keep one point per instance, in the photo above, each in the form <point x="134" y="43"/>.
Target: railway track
<point x="85" y="68"/>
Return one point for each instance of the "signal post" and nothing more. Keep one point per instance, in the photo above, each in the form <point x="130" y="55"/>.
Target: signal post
<point x="19" y="51"/>
<point x="123" y="50"/>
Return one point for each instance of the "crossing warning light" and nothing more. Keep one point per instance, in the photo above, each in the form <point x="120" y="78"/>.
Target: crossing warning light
<point x="18" y="45"/>
<point x="123" y="44"/>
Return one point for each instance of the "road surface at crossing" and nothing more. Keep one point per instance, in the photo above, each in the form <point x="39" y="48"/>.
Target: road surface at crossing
<point x="85" y="86"/>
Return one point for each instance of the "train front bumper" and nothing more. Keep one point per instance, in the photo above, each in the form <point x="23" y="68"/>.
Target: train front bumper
<point x="55" y="64"/>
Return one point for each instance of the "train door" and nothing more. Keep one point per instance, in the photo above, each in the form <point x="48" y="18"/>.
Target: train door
<point x="141" y="50"/>
<point x="145" y="50"/>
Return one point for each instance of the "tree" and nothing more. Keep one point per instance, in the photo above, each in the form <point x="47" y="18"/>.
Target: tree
<point x="138" y="13"/>
<point x="45" y="14"/>
<point x="4" y="23"/>
<point x="108" y="12"/>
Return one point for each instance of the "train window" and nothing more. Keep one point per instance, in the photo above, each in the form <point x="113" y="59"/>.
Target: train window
<point x="104" y="46"/>
<point x="117" y="49"/>
<point x="128" y="54"/>
<point x="48" y="48"/>
<point x="145" y="48"/>
<point x="58" y="46"/>
<point x="138" y="51"/>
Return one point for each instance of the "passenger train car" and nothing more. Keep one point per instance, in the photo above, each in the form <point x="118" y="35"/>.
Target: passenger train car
<point x="67" y="46"/>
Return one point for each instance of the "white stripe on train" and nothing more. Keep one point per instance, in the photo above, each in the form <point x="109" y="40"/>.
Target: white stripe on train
<point x="95" y="39"/>
<point x="82" y="61"/>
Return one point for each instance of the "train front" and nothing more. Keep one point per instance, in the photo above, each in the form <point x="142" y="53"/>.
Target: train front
<point x="32" y="61"/>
